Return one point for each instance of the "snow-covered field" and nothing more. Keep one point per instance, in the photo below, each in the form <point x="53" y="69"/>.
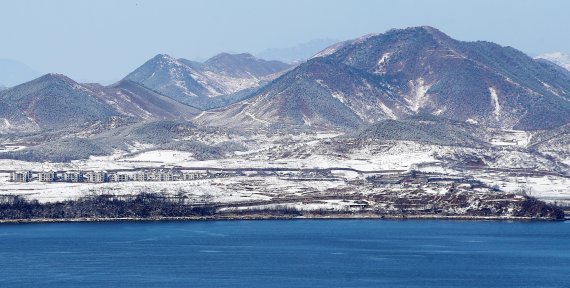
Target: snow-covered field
<point x="222" y="190"/>
<point x="547" y="188"/>
<point x="11" y="148"/>
<point x="511" y="138"/>
<point x="302" y="152"/>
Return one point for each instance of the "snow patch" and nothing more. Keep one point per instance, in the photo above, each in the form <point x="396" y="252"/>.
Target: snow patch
<point x="387" y="111"/>
<point x="440" y="111"/>
<point x="495" y="102"/>
<point x="550" y="89"/>
<point x="339" y="96"/>
<point x="163" y="156"/>
<point x="306" y="120"/>
<point x="472" y="121"/>
<point x="257" y="119"/>
<point x="418" y="96"/>
<point x="381" y="65"/>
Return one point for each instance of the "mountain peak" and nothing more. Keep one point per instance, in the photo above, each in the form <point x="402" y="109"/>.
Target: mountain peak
<point x="416" y="34"/>
<point x="417" y="31"/>
<point x="54" y="77"/>
<point x="163" y="58"/>
<point x="197" y="84"/>
<point x="428" y="29"/>
<point x="413" y="71"/>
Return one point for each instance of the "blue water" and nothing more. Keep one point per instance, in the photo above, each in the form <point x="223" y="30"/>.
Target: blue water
<point x="308" y="253"/>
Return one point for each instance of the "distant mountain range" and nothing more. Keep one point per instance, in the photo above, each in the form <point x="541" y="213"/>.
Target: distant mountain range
<point x="397" y="75"/>
<point x="407" y="72"/>
<point x="196" y="83"/>
<point x="557" y="58"/>
<point x="297" y="53"/>
<point x="14" y="73"/>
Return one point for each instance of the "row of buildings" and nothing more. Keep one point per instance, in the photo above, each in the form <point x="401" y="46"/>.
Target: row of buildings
<point x="102" y="176"/>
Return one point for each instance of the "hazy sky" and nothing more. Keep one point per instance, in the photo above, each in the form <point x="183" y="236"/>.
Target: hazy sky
<point x="104" y="40"/>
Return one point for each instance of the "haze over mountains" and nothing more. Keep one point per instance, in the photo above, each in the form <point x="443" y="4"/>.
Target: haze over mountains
<point x="14" y="73"/>
<point x="557" y="58"/>
<point x="396" y="75"/>
<point x="297" y="53"/>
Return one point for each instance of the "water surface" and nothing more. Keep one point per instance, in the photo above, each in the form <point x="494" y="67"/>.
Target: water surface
<point x="296" y="253"/>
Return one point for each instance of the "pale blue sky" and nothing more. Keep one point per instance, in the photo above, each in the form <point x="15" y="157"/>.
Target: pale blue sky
<point x="106" y="39"/>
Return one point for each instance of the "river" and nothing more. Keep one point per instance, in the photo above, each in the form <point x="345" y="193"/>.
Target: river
<point x="286" y="253"/>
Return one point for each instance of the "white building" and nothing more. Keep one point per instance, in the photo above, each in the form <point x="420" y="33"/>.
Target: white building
<point x="73" y="176"/>
<point x="192" y="175"/>
<point x="21" y="176"/>
<point x="96" y="177"/>
<point x="47" y="176"/>
<point x="118" y="177"/>
<point x="141" y="176"/>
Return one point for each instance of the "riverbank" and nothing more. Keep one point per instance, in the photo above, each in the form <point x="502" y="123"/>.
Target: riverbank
<point x="280" y="217"/>
<point x="155" y="207"/>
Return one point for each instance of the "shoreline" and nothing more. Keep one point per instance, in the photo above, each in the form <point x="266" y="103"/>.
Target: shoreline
<point x="277" y="217"/>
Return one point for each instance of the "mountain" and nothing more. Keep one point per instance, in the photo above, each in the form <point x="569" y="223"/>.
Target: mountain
<point x="134" y="100"/>
<point x="51" y="101"/>
<point x="407" y="72"/>
<point x="243" y="65"/>
<point x="294" y="100"/>
<point x="557" y="58"/>
<point x="428" y="129"/>
<point x="14" y="73"/>
<point x="129" y="137"/>
<point x="200" y="84"/>
<point x="297" y="53"/>
<point x="55" y="101"/>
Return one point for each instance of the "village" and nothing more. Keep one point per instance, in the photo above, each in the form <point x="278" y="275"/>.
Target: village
<point x="163" y="174"/>
<point x="78" y="176"/>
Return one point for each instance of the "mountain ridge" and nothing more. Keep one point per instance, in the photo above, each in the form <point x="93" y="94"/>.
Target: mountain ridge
<point x="396" y="75"/>
<point x="55" y="101"/>
<point x="417" y="70"/>
<point x="194" y="83"/>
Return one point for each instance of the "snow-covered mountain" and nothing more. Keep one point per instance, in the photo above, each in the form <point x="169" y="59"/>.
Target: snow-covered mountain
<point x="49" y="102"/>
<point x="394" y="75"/>
<point x="196" y="83"/>
<point x="406" y="72"/>
<point x="55" y="101"/>
<point x="412" y="111"/>
<point x="557" y="58"/>
<point x="136" y="101"/>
